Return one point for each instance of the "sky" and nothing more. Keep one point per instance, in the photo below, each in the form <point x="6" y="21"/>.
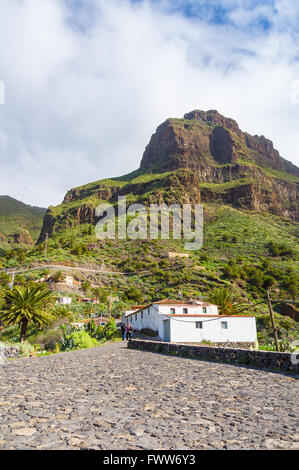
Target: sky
<point x="87" y="82"/>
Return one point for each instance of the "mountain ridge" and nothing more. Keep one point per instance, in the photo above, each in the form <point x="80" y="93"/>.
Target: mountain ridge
<point x="20" y="223"/>
<point x="203" y="157"/>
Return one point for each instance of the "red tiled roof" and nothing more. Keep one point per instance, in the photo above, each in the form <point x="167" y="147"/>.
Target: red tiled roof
<point x="181" y="303"/>
<point x="205" y="315"/>
<point x="171" y="302"/>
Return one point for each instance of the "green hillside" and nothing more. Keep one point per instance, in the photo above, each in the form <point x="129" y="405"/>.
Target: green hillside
<point x="250" y="200"/>
<point x="20" y="224"/>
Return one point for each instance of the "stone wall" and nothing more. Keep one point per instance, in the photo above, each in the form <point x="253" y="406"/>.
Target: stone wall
<point x="244" y="345"/>
<point x="8" y="352"/>
<point x="261" y="359"/>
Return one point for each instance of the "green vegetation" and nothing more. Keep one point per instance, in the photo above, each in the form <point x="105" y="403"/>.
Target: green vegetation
<point x="34" y="325"/>
<point x="227" y="304"/>
<point x="20" y="224"/>
<point x="245" y="251"/>
<point x="26" y="304"/>
<point x="78" y="340"/>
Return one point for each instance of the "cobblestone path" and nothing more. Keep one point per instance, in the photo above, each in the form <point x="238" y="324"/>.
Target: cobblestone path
<point x="114" y="398"/>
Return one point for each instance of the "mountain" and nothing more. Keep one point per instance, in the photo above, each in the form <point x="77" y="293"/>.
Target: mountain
<point x="250" y="199"/>
<point x="203" y="157"/>
<point x="20" y="224"/>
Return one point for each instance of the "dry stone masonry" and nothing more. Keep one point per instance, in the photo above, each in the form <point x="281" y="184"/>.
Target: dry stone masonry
<point x="263" y="359"/>
<point x="112" y="397"/>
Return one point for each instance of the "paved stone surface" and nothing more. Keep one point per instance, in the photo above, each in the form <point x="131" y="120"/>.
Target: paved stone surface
<point x="114" y="398"/>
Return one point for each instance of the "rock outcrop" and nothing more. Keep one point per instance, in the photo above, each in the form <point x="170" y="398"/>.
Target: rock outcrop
<point x="203" y="138"/>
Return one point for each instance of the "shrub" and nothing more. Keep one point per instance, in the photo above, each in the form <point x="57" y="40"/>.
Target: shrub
<point x="100" y="333"/>
<point x="110" y="329"/>
<point x="78" y="340"/>
<point x="10" y="333"/>
<point x="79" y="249"/>
<point x="25" y="349"/>
<point x="206" y="341"/>
<point x="48" y="339"/>
<point x="59" y="276"/>
<point x="279" y="249"/>
<point x="56" y="348"/>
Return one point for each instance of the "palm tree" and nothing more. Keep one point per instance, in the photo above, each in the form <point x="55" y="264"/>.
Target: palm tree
<point x="89" y="312"/>
<point x="25" y="304"/>
<point x="2" y="301"/>
<point x="227" y="304"/>
<point x="2" y="298"/>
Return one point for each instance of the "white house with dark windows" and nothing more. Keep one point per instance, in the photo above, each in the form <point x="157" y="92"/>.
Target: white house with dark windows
<point x="178" y="321"/>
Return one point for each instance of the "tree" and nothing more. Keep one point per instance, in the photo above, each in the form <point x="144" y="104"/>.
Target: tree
<point x="27" y="304"/>
<point x="4" y="279"/>
<point x="223" y="297"/>
<point x="2" y="298"/>
<point x="291" y="284"/>
<point x="88" y="312"/>
<point x="268" y="281"/>
<point x="287" y="324"/>
<point x="86" y="286"/>
<point x="134" y="294"/>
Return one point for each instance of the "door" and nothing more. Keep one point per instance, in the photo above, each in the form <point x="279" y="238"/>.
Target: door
<point x="166" y="332"/>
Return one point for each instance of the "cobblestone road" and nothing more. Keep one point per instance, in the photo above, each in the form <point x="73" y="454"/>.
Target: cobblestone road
<point x="114" y="398"/>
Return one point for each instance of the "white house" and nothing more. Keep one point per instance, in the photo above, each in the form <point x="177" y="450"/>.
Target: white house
<point x="64" y="300"/>
<point x="134" y="309"/>
<point x="193" y="322"/>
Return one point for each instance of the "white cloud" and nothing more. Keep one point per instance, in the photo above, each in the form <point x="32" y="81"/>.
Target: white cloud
<point x="82" y="103"/>
<point x="2" y="92"/>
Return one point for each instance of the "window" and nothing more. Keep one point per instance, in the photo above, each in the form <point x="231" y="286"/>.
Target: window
<point x="136" y="317"/>
<point x="148" y="311"/>
<point x="185" y="310"/>
<point x="141" y="314"/>
<point x="224" y="325"/>
<point x="198" y="324"/>
<point x="204" y="309"/>
<point x="172" y="311"/>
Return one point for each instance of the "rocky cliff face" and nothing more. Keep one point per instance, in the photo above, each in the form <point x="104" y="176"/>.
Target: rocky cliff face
<point x="203" y="157"/>
<point x="208" y="138"/>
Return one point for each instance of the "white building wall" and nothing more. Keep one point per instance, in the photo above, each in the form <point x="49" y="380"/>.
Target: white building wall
<point x="147" y="318"/>
<point x="239" y="329"/>
<point x="192" y="309"/>
<point x="65" y="300"/>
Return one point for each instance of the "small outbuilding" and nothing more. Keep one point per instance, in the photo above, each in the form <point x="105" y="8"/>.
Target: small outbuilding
<point x="64" y="300"/>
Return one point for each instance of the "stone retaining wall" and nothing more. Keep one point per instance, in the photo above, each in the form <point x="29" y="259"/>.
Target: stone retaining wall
<point x="8" y="352"/>
<point x="261" y="359"/>
<point x="245" y="345"/>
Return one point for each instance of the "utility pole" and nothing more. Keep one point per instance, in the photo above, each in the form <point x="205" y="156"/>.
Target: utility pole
<point x="110" y="306"/>
<point x="273" y="321"/>
<point x="46" y="244"/>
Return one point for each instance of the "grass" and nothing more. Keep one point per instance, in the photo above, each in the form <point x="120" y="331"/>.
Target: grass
<point x="16" y="217"/>
<point x="226" y="186"/>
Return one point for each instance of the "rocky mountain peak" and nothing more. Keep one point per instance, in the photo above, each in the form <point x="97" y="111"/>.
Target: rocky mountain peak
<point x="212" y="117"/>
<point x="207" y="138"/>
